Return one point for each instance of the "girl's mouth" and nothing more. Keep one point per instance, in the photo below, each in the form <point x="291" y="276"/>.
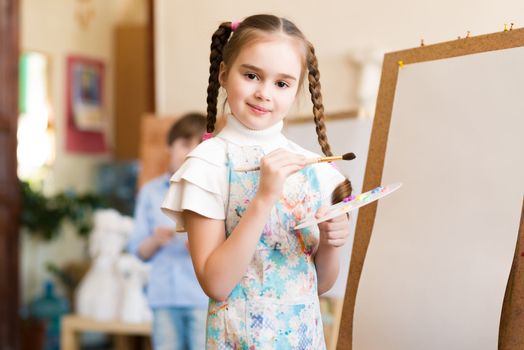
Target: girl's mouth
<point x="258" y="110"/>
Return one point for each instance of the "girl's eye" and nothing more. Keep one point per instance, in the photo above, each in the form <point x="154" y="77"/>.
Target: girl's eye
<point x="251" y="76"/>
<point x="282" y="84"/>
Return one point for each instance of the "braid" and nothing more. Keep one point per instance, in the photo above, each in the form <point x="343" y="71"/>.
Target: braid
<point x="343" y="189"/>
<point x="218" y="41"/>
<point x="316" y="98"/>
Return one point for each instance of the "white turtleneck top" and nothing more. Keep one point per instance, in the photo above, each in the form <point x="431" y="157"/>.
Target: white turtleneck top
<point x="201" y="183"/>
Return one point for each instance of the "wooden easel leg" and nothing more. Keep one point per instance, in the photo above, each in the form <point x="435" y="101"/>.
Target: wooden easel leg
<point x="511" y="331"/>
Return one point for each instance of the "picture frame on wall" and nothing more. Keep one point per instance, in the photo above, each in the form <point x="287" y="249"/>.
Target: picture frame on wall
<point x="85" y="108"/>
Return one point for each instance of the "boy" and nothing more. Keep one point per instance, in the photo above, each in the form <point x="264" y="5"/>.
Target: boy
<point x="179" y="305"/>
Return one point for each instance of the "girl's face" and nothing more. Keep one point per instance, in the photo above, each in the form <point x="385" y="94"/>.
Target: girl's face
<point x="262" y="82"/>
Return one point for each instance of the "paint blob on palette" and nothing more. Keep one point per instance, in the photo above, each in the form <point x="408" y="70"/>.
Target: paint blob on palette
<point x="351" y="203"/>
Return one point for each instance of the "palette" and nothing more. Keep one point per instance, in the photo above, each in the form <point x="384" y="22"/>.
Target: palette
<point x="351" y="203"/>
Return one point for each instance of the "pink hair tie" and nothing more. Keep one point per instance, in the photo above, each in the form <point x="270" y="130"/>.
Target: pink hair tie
<point x="207" y="136"/>
<point x="234" y="25"/>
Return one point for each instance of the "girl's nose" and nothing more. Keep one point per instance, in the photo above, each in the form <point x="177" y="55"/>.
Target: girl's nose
<point x="262" y="93"/>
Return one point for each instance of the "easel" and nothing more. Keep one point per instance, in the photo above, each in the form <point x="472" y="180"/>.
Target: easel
<point x="511" y="334"/>
<point x="512" y="325"/>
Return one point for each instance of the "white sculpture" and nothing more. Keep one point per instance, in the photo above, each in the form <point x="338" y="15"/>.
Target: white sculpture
<point x="133" y="273"/>
<point x="368" y="61"/>
<point x="99" y="294"/>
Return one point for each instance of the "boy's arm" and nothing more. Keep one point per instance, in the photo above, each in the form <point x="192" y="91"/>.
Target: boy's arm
<point x="140" y="243"/>
<point x="150" y="245"/>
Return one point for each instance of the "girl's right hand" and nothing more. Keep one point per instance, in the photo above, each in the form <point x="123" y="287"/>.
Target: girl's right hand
<point x="275" y="167"/>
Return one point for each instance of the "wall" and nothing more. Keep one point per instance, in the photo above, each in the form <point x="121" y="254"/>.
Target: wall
<point x="336" y="28"/>
<point x="50" y="27"/>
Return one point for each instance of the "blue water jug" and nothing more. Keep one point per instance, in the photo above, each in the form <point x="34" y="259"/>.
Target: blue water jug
<point x="49" y="308"/>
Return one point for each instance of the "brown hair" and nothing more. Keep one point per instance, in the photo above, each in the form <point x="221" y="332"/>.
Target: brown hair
<point x="226" y="47"/>
<point x="187" y="126"/>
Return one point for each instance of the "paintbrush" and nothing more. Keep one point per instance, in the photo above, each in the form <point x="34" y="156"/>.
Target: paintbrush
<point x="347" y="156"/>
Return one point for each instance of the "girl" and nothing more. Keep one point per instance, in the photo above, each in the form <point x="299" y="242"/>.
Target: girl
<point x="262" y="276"/>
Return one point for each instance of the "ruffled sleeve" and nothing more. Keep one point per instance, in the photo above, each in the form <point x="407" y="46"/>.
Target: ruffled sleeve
<point x="200" y="184"/>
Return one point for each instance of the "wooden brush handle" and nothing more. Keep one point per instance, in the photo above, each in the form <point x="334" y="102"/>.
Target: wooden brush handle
<point x="308" y="161"/>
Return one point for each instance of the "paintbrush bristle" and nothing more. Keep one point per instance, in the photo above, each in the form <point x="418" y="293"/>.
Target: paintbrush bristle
<point x="349" y="156"/>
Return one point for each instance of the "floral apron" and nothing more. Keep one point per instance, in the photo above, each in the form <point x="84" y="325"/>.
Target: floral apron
<point x="275" y="305"/>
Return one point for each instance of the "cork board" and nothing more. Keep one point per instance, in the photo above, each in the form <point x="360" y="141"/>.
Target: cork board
<point x="383" y="163"/>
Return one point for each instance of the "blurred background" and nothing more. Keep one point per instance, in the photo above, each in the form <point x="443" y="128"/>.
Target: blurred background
<point x="85" y="84"/>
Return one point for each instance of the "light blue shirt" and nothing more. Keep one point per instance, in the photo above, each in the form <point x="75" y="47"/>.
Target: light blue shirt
<point x="172" y="280"/>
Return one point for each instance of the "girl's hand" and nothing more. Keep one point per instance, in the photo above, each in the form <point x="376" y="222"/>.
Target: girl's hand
<point x="275" y="167"/>
<point x="333" y="232"/>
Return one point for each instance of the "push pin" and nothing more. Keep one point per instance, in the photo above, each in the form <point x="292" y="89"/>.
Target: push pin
<point x="505" y="27"/>
<point x="401" y="64"/>
<point x="422" y="42"/>
<point x="511" y="26"/>
<point x="467" y="34"/>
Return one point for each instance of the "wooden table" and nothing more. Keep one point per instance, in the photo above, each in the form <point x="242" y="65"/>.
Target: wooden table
<point x="73" y="325"/>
